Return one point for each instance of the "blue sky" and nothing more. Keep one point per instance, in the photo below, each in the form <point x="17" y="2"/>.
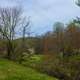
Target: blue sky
<point x="44" y="13"/>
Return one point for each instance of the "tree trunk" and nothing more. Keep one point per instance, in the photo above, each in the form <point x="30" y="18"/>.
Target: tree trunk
<point x="9" y="49"/>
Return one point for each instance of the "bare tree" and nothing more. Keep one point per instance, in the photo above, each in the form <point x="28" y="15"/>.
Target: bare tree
<point x="10" y="20"/>
<point x="24" y="48"/>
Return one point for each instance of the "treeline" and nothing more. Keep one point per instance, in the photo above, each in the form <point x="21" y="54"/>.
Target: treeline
<point x="64" y="39"/>
<point x="61" y="48"/>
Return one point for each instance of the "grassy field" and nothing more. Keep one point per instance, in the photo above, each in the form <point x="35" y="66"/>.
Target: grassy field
<point x="13" y="71"/>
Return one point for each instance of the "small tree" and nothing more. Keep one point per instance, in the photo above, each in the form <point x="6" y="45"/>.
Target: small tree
<point x="23" y="46"/>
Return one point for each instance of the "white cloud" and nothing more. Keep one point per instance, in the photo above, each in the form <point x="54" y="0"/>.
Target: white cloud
<point x="45" y="12"/>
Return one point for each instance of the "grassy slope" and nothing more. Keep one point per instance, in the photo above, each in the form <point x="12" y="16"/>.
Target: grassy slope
<point x="12" y="71"/>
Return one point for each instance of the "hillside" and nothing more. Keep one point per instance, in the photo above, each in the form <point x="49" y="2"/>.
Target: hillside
<point x="12" y="71"/>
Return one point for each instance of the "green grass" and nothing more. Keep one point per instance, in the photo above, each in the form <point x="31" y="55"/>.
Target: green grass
<point x="13" y="71"/>
<point x="34" y="61"/>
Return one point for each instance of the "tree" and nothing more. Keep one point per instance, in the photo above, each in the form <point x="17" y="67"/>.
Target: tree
<point x="77" y="2"/>
<point x="23" y="47"/>
<point x="58" y="27"/>
<point x="10" y="20"/>
<point x="53" y="41"/>
<point x="72" y="36"/>
<point x="59" y="36"/>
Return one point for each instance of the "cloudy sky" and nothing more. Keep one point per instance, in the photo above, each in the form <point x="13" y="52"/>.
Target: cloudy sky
<point x="44" y="13"/>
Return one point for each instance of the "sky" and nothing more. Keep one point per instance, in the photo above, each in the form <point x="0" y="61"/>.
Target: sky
<point x="44" y="13"/>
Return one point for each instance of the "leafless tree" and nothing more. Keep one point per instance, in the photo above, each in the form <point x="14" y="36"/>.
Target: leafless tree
<point x="10" y="20"/>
